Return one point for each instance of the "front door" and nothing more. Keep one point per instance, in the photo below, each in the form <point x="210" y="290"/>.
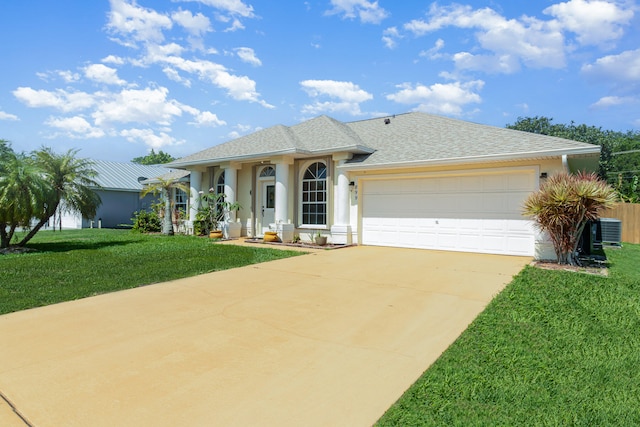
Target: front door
<point x="268" y="205"/>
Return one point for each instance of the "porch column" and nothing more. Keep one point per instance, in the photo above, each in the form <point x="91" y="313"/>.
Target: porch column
<point x="281" y="214"/>
<point x="341" y="232"/>
<point x="230" y="185"/>
<point x="195" y="185"/>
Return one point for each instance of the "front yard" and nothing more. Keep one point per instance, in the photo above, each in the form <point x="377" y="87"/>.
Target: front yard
<point x="554" y="348"/>
<point x="79" y="263"/>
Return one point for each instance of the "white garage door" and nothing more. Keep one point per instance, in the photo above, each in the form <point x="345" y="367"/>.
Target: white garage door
<point x="467" y="213"/>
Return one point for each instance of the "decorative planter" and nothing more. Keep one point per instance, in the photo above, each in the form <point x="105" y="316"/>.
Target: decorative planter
<point x="271" y="236"/>
<point x="216" y="234"/>
<point x="321" y="240"/>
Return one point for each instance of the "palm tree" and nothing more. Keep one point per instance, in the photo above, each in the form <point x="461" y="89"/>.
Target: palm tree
<point x="564" y="205"/>
<point x="71" y="183"/>
<point x="164" y="187"/>
<point x="22" y="189"/>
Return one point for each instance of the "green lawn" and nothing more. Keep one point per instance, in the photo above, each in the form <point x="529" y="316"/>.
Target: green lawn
<point x="554" y="348"/>
<point x="81" y="263"/>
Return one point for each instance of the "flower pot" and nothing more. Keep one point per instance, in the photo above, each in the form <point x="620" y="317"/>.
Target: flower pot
<point x="216" y="234"/>
<point x="321" y="240"/>
<point x="271" y="236"/>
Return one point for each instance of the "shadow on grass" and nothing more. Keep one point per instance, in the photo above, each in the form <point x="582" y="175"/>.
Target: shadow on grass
<point x="68" y="246"/>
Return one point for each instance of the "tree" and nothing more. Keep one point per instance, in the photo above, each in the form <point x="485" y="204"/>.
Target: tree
<point x="71" y="181"/>
<point x="22" y="189"/>
<point x="164" y="187"/>
<point x="154" y="158"/>
<point x="619" y="155"/>
<point x="564" y="205"/>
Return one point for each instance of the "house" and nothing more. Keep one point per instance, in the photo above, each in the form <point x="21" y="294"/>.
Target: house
<point x="120" y="188"/>
<point x="410" y="180"/>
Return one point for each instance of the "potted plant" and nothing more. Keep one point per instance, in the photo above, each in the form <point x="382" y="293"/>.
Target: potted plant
<point x="320" y="239"/>
<point x="213" y="212"/>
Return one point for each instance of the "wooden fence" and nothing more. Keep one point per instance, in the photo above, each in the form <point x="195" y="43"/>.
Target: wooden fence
<point x="629" y="215"/>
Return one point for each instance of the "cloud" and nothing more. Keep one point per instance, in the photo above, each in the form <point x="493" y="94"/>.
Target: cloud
<point x="232" y="7"/>
<point x="345" y="97"/>
<point x="368" y="11"/>
<point x="594" y="21"/>
<point x="433" y="53"/>
<point x="137" y="106"/>
<point x="59" y="99"/>
<point x="613" y="101"/>
<point x="75" y="127"/>
<point x="149" y="137"/>
<point x="535" y="43"/>
<point x="246" y="54"/>
<point x="439" y="98"/>
<point x="196" y="25"/>
<point x="390" y="37"/>
<point x="207" y="119"/>
<point x="7" y="116"/>
<point x="136" y="24"/>
<point x="624" y="69"/>
<point x="102" y="74"/>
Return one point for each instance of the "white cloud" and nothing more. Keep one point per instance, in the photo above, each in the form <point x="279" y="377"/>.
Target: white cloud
<point x="594" y="21"/>
<point x="196" y="25"/>
<point x="137" y="106"/>
<point x="439" y="98"/>
<point x="75" y="127"/>
<point x="367" y="11"/>
<point x="233" y="7"/>
<point x="136" y="24"/>
<point x="59" y="99"/>
<point x="623" y="68"/>
<point x="345" y="97"/>
<point x="7" y="116"/>
<point x="149" y="137"/>
<point x="102" y="74"/>
<point x="613" y="101"/>
<point x="206" y="118"/>
<point x="112" y="59"/>
<point x="248" y="55"/>
<point x="172" y="74"/>
<point x="434" y="52"/>
<point x="390" y="37"/>
<point x="530" y="41"/>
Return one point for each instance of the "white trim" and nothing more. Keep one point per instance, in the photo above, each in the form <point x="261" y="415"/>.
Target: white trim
<point x="303" y="166"/>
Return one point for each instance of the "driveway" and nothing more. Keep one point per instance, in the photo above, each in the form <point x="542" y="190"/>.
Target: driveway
<point x="330" y="338"/>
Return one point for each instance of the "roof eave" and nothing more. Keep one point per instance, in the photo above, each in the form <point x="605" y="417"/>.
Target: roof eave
<point x="475" y="159"/>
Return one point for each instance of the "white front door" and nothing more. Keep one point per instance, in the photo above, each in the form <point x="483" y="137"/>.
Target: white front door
<point x="268" y="205"/>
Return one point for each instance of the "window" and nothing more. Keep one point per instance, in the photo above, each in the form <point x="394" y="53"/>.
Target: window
<point x="267" y="172"/>
<point x="180" y="201"/>
<point x="220" y="184"/>
<point x="314" y="195"/>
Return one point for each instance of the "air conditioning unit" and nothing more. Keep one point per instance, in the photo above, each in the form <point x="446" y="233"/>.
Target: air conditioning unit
<point x="610" y="231"/>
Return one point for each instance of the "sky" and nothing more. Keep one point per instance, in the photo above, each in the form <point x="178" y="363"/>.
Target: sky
<point x="117" y="78"/>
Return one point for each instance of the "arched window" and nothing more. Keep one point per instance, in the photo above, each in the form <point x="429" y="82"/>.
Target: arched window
<point x="220" y="184"/>
<point x="314" y="195"/>
<point x="267" y="172"/>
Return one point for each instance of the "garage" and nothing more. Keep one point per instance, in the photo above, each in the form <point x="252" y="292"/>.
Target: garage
<point x="466" y="212"/>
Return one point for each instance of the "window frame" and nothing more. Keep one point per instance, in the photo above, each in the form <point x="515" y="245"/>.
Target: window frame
<point x="308" y="193"/>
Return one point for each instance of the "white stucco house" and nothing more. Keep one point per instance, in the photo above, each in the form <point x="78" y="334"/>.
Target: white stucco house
<point x="120" y="185"/>
<point x="411" y="180"/>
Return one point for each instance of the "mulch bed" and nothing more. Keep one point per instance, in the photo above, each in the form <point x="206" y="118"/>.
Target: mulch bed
<point x="597" y="270"/>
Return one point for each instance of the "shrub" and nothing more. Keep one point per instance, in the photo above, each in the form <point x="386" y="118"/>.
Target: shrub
<point x="146" y="222"/>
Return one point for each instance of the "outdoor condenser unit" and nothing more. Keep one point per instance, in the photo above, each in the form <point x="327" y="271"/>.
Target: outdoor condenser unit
<point x="610" y="231"/>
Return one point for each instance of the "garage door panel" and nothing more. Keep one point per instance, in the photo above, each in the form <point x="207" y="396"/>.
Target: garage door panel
<point x="472" y="213"/>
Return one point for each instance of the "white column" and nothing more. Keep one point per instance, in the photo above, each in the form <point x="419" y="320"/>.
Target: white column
<point x="230" y="185"/>
<point x="341" y="232"/>
<point x="195" y="185"/>
<point x="282" y="196"/>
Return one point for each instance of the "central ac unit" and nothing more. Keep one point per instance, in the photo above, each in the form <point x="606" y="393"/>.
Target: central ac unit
<point x="610" y="231"/>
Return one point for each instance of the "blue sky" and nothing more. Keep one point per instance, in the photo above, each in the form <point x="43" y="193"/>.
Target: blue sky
<point x="117" y="78"/>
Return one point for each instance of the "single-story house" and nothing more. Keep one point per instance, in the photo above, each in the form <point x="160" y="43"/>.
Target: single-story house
<point x="120" y="185"/>
<point x="411" y="180"/>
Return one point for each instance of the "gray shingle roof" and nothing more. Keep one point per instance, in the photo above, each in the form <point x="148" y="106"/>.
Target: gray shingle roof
<point x="124" y="176"/>
<point x="410" y="138"/>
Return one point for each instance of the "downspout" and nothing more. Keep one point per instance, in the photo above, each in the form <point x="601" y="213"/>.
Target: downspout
<point x="565" y="163"/>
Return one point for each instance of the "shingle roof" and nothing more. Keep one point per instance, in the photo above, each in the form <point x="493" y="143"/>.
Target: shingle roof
<point x="125" y="176"/>
<point x="406" y="139"/>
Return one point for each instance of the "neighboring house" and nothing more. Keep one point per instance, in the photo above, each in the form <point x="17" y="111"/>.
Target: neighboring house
<point x="412" y="180"/>
<point x="120" y="188"/>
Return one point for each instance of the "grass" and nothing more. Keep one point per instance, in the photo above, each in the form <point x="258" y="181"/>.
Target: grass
<point x="81" y="263"/>
<point x="554" y="348"/>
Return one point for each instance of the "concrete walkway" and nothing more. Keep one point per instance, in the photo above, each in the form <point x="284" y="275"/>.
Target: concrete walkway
<point x="332" y="338"/>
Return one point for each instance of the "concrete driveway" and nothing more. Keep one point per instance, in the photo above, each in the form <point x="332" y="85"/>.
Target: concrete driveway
<point x="330" y="338"/>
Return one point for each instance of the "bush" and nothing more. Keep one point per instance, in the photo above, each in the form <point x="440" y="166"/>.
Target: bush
<point x="146" y="222"/>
